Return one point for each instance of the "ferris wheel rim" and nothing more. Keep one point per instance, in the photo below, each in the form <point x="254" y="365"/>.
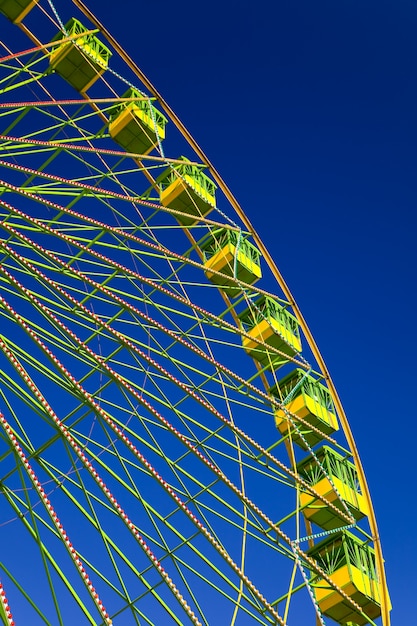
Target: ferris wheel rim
<point x="269" y="260"/>
<point x="281" y="281"/>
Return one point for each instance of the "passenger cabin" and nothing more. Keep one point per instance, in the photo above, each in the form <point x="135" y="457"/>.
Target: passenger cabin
<point x="350" y="563"/>
<point x="268" y="321"/>
<point x="184" y="187"/>
<point x="136" y="125"/>
<point x="308" y="399"/>
<point x="82" y="60"/>
<point x="228" y="252"/>
<point x="16" y="10"/>
<point x="334" y="477"/>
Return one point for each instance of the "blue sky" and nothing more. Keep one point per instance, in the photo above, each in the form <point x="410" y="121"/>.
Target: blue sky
<point x="308" y="110"/>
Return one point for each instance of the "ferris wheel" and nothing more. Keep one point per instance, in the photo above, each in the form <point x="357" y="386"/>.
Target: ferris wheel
<point x="172" y="448"/>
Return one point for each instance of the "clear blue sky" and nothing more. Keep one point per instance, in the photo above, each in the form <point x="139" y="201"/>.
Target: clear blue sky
<point x="308" y="110"/>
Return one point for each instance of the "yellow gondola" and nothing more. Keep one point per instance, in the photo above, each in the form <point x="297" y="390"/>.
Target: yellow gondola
<point x="184" y="187"/>
<point x="308" y="399"/>
<point x="137" y="125"/>
<point x="350" y="563"/>
<point x="333" y="477"/>
<point x="82" y="60"/>
<point x="271" y="323"/>
<point x="228" y="252"/>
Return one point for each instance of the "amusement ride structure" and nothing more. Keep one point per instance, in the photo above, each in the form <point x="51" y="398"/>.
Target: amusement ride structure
<point x="173" y="450"/>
